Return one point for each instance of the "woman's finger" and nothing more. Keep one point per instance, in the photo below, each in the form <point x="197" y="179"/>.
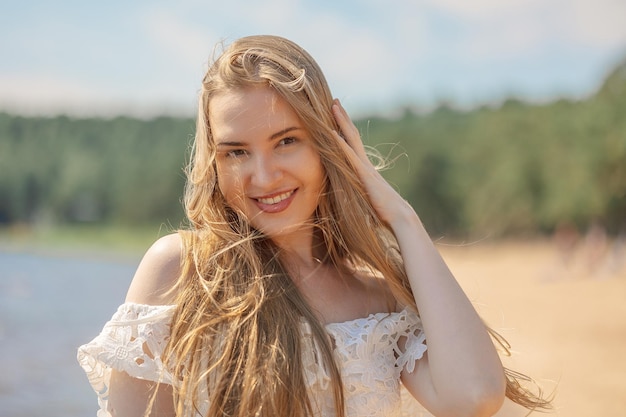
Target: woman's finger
<point x="348" y="149"/>
<point x="350" y="132"/>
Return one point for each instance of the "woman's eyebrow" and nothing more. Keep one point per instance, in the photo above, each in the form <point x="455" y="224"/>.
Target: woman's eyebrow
<point x="284" y="132"/>
<point x="229" y="144"/>
<point x="234" y="143"/>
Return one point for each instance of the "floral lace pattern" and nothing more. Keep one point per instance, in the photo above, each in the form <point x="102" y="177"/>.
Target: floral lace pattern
<point x="370" y="360"/>
<point x="367" y="350"/>
<point x="132" y="341"/>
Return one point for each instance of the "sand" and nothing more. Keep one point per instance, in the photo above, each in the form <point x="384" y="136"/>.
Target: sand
<point x="562" y="308"/>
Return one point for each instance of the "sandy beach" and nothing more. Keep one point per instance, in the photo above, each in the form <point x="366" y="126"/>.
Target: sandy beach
<point x="563" y="309"/>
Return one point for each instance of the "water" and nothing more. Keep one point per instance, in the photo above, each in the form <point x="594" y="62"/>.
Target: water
<point x="49" y="305"/>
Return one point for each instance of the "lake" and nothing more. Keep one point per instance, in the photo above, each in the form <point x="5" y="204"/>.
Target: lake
<point x="49" y="305"/>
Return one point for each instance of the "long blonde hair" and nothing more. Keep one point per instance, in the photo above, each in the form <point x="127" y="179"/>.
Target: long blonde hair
<point x="236" y="342"/>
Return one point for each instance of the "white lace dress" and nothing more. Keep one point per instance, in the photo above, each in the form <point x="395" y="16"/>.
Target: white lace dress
<point x="366" y="350"/>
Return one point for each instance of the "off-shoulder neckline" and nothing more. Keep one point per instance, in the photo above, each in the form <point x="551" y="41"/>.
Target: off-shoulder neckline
<point x="370" y="317"/>
<point x="359" y="320"/>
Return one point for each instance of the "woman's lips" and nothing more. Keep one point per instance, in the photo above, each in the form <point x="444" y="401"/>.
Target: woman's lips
<point x="275" y="203"/>
<point x="275" y="199"/>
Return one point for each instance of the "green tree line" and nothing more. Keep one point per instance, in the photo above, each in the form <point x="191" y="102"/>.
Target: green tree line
<point x="518" y="168"/>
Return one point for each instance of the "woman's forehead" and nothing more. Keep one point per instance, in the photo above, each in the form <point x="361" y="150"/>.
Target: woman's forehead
<point x="238" y="114"/>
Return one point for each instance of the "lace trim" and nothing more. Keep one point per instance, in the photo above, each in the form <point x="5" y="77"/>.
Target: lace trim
<point x="368" y="351"/>
<point x="132" y="341"/>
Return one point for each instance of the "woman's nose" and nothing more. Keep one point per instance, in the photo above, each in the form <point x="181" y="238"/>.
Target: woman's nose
<point x="265" y="172"/>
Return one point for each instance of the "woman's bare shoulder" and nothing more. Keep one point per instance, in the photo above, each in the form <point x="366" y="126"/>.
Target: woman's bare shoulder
<point x="157" y="273"/>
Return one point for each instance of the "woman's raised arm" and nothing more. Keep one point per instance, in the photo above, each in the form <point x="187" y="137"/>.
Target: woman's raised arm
<point x="461" y="373"/>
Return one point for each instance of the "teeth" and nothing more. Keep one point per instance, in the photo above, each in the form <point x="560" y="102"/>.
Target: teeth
<point x="276" y="199"/>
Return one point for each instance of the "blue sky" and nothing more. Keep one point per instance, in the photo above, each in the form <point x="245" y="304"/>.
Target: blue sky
<point x="147" y="57"/>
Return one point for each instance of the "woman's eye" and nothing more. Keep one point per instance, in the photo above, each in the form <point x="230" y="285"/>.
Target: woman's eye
<point x="235" y="153"/>
<point x="287" y="141"/>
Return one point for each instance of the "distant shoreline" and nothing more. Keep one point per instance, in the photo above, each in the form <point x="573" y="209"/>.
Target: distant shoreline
<point x="92" y="241"/>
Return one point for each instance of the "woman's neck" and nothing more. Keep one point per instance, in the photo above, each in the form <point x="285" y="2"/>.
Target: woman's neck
<point x="303" y="254"/>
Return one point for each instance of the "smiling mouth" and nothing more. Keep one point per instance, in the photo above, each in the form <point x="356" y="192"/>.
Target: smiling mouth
<point x="276" y="199"/>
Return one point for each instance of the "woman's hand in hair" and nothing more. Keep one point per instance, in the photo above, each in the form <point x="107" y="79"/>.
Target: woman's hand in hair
<point x="389" y="205"/>
<point x="461" y="373"/>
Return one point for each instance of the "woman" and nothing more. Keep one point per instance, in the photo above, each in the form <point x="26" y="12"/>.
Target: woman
<point x="297" y="288"/>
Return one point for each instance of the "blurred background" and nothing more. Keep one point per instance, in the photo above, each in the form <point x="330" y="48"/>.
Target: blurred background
<point x="505" y="123"/>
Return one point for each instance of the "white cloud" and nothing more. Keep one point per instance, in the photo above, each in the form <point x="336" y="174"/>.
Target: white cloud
<point x="41" y="93"/>
<point x="483" y="9"/>
<point x="352" y="56"/>
<point x="598" y="23"/>
<point x="355" y="56"/>
<point x="185" y="44"/>
<point x="372" y="53"/>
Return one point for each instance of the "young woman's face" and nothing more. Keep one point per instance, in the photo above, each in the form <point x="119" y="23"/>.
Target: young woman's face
<point x="267" y="166"/>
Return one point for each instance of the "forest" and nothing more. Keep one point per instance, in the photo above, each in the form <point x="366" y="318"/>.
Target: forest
<point x="508" y="170"/>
